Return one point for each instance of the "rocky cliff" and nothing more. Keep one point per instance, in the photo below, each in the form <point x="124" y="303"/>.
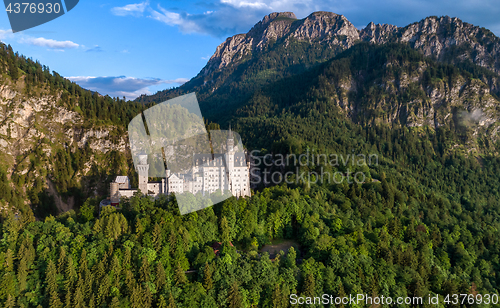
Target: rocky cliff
<point x="37" y="132"/>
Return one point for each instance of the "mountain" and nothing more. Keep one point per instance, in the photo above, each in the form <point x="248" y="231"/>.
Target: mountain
<point x="281" y="45"/>
<point x="436" y="72"/>
<point x="324" y="28"/>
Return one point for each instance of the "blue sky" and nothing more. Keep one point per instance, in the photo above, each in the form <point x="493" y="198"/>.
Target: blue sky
<point x="126" y="48"/>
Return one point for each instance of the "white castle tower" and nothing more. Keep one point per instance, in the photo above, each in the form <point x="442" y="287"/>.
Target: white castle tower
<point x="143" y="170"/>
<point x="230" y="150"/>
<point x="230" y="159"/>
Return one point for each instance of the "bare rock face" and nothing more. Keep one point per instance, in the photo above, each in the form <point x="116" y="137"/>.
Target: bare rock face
<point x="325" y="27"/>
<point x="25" y="120"/>
<point x="377" y="34"/>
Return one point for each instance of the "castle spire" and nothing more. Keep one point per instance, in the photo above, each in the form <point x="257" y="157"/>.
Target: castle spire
<point x="230" y="140"/>
<point x="230" y="135"/>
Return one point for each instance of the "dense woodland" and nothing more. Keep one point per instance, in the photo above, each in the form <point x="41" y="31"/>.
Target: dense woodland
<point x="430" y="224"/>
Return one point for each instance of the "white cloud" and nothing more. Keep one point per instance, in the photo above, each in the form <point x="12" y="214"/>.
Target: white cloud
<point x="175" y="19"/>
<point x="49" y="43"/>
<point x="170" y="18"/>
<point x="247" y="4"/>
<point x="136" y="9"/>
<point x="4" y="34"/>
<point x="120" y="86"/>
<point x="55" y="45"/>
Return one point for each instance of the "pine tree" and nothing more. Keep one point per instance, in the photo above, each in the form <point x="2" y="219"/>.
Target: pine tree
<point x="11" y="301"/>
<point x="147" y="297"/>
<point x="171" y="301"/>
<point x="83" y="262"/>
<point x="162" y="303"/>
<point x="7" y="285"/>
<point x="207" y="277"/>
<point x="136" y="297"/>
<point x="115" y="303"/>
<point x="22" y="273"/>
<point x="278" y="299"/>
<point x="100" y="271"/>
<point x="234" y="297"/>
<point x="157" y="237"/>
<point x="144" y="271"/>
<point x="341" y="292"/>
<point x="89" y="282"/>
<point x="103" y="290"/>
<point x="290" y="258"/>
<point x="115" y="266"/>
<point x="70" y="273"/>
<point x="129" y="282"/>
<point x="308" y="289"/>
<point x="67" y="301"/>
<point x="92" y="301"/>
<point x="14" y="73"/>
<point x="126" y="258"/>
<point x="30" y="250"/>
<point x="160" y="276"/>
<point x="9" y="260"/>
<point x="78" y="301"/>
<point x="224" y="227"/>
<point x="52" y="287"/>
<point x="179" y="275"/>
<point x="62" y="260"/>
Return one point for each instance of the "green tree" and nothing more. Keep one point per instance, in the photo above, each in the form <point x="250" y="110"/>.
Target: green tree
<point x="235" y="299"/>
<point x="207" y="277"/>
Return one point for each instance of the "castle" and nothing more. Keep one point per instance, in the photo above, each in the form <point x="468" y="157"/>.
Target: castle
<point x="229" y="171"/>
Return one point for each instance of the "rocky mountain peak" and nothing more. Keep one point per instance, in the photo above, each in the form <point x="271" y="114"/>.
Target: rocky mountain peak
<point x="444" y="38"/>
<point x="274" y="19"/>
<point x="377" y="33"/>
<point x="321" y="27"/>
<point x="277" y="15"/>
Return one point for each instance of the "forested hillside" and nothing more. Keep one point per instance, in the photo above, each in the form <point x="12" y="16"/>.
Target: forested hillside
<point x="54" y="138"/>
<point x="387" y="86"/>
<point x="425" y="221"/>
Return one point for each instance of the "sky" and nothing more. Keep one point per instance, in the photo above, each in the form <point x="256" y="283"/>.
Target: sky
<point x="128" y="47"/>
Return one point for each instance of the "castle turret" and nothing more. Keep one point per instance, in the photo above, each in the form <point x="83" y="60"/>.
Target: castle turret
<point x="143" y="170"/>
<point x="230" y="159"/>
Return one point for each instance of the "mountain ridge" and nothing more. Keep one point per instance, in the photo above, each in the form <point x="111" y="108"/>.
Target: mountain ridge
<point x="447" y="39"/>
<point x="317" y="25"/>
